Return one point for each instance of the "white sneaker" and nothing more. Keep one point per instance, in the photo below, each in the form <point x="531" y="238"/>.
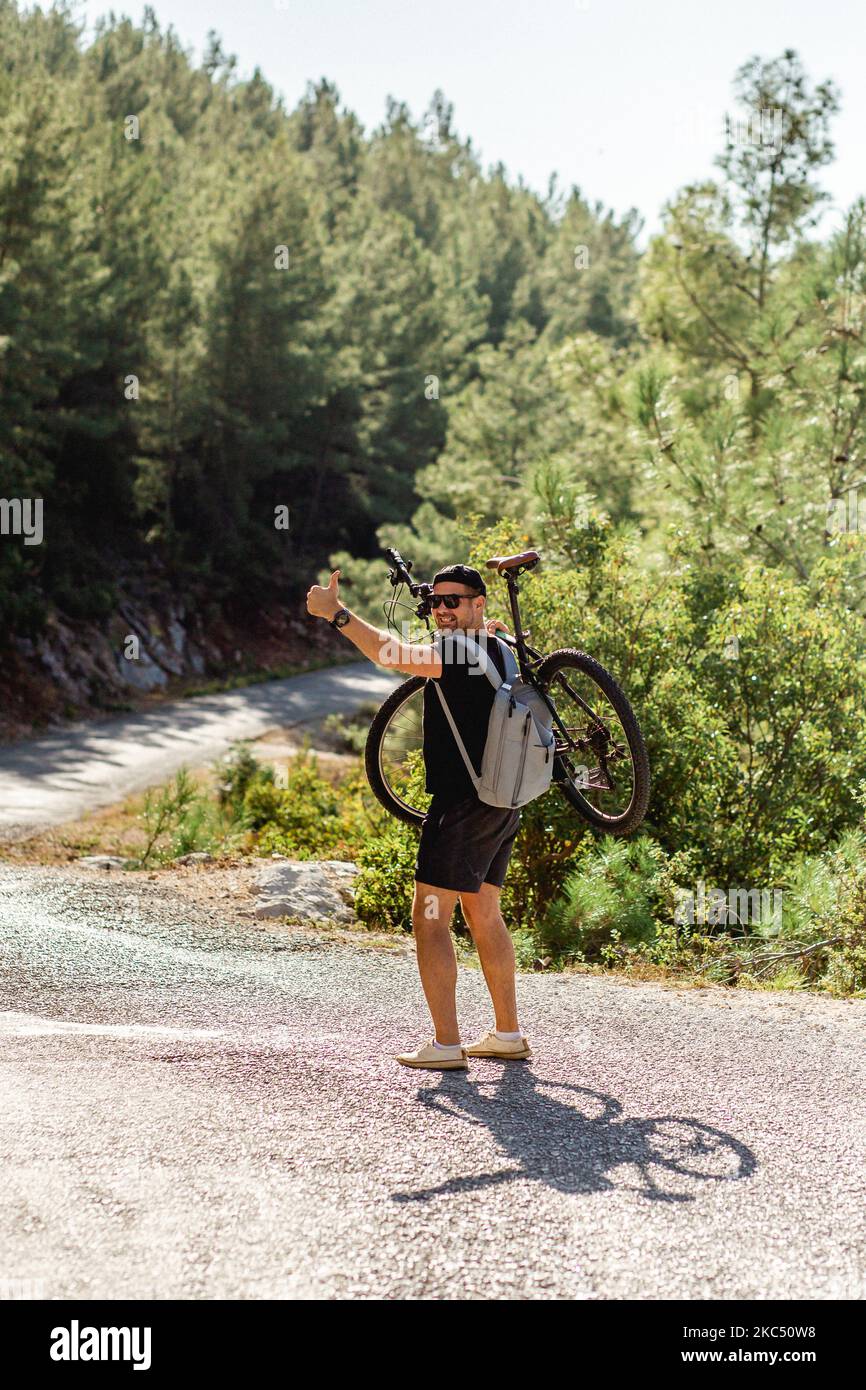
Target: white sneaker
<point x="445" y="1058"/>
<point x="491" y="1046"/>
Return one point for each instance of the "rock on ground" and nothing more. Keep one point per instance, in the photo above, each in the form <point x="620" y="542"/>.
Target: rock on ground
<point x="315" y="890"/>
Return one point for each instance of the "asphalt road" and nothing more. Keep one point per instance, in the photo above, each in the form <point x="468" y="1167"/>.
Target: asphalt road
<point x="196" y="1112"/>
<point x="59" y="777"/>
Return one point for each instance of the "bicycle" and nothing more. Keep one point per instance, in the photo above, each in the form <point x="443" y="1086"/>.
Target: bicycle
<point x="596" y="730"/>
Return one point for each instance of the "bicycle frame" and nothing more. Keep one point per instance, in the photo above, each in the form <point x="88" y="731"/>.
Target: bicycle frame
<point x="519" y="641"/>
<point x="526" y="666"/>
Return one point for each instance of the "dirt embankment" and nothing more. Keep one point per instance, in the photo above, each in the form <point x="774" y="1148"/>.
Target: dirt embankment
<point x="151" y="648"/>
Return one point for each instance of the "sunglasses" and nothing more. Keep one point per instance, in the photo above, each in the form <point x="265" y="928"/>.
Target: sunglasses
<point x="450" y="600"/>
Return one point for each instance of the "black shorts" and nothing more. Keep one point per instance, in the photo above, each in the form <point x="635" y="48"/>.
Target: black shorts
<point x="465" y="844"/>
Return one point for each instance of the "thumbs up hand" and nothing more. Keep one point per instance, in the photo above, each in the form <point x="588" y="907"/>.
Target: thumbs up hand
<point x="324" y="600"/>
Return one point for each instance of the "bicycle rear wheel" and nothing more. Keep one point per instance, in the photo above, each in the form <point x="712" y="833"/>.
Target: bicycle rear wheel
<point x="393" y="754"/>
<point x="601" y="763"/>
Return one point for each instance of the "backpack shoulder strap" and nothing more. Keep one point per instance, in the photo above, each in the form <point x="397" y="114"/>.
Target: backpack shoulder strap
<point x="481" y="655"/>
<point x="511" y="673"/>
<point x="511" y="668"/>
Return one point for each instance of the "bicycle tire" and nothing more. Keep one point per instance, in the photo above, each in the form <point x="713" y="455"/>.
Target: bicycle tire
<point x="634" y="813"/>
<point x="379" y="784"/>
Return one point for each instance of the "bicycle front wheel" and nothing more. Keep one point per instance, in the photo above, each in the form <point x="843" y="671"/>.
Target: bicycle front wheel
<point x="394" y="753"/>
<point x="601" y="764"/>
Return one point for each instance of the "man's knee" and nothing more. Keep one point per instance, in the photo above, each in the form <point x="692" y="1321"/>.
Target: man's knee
<point x="431" y="909"/>
<point x="481" y="909"/>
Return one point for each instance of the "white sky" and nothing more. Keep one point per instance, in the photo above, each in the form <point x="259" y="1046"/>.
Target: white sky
<point x="624" y="99"/>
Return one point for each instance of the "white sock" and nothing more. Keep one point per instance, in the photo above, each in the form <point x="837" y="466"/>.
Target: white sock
<point x="446" y="1045"/>
<point x="508" y="1037"/>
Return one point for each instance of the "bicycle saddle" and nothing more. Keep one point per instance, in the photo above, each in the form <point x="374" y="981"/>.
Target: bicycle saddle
<point x="501" y="563"/>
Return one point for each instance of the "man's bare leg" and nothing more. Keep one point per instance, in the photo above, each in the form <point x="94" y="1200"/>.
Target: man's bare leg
<point x="495" y="952"/>
<point x="437" y="964"/>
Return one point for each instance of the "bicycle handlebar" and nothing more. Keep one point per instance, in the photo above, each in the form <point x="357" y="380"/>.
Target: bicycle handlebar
<point x="395" y="559"/>
<point x="400" y="574"/>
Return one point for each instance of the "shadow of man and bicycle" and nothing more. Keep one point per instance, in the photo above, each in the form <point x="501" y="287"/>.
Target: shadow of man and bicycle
<point x="581" y="1142"/>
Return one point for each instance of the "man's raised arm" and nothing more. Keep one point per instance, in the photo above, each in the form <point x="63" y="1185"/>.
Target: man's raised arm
<point x="415" y="658"/>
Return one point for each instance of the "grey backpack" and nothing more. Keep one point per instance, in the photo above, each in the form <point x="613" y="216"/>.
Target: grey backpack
<point x="518" y="755"/>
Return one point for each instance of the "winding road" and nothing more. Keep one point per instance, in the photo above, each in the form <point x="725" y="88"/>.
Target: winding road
<point x="62" y="775"/>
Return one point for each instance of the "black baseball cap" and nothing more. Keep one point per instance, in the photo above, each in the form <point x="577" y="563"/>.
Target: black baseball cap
<point x="462" y="574"/>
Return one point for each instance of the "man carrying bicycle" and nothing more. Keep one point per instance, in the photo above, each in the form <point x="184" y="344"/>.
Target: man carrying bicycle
<point x="465" y="843"/>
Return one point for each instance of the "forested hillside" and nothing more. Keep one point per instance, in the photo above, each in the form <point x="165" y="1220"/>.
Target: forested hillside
<point x="239" y="344"/>
<point x="212" y="308"/>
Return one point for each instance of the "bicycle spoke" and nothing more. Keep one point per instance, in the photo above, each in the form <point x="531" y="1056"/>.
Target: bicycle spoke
<point x="400" y="751"/>
<point x="593" y="747"/>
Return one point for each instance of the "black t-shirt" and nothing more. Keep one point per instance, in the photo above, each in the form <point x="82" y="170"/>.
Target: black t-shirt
<point x="469" y="693"/>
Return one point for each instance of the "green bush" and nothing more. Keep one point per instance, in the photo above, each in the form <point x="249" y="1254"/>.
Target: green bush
<point x="163" y="814"/>
<point x="237" y="772"/>
<point x="349" y="732"/>
<point x="386" y="883"/>
<point x="845" y="971"/>
<point x="206" y="827"/>
<point x="756" y="744"/>
<point x="614" y="895"/>
<point x="180" y="820"/>
<point x="311" y="818"/>
<point x="550" y="841"/>
<point x="824" y="911"/>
